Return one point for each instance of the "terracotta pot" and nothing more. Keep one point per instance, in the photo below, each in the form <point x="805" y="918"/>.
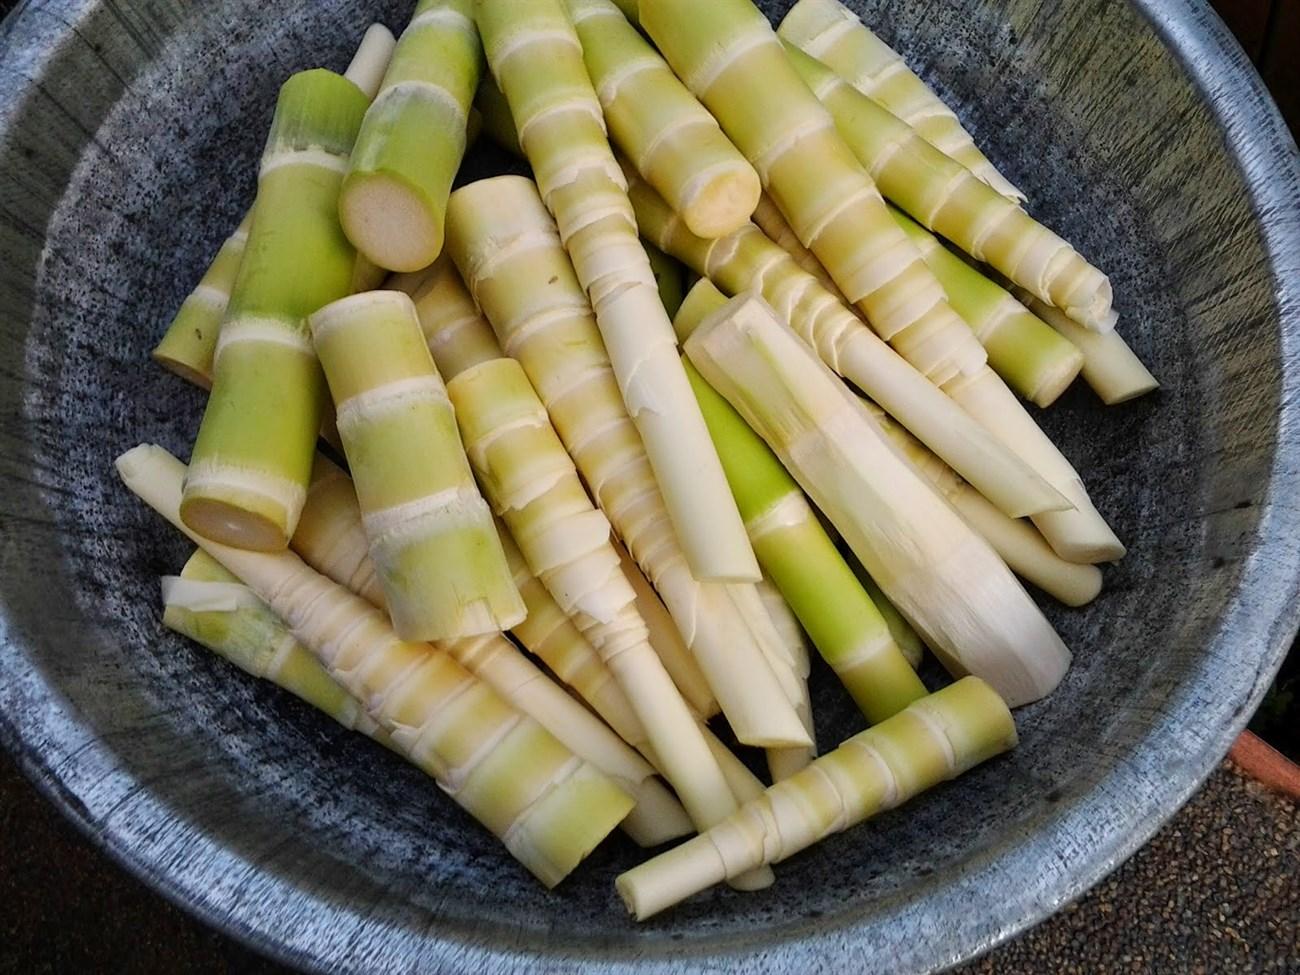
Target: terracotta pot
<point x="1264" y="763"/>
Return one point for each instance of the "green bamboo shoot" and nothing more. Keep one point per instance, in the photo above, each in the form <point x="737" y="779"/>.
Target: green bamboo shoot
<point x="212" y="607"/>
<point x="1110" y="367"/>
<point x="536" y="59"/>
<point x="509" y="254"/>
<point x="187" y="347"/>
<point x="947" y="198"/>
<point x="796" y="552"/>
<point x="549" y="807"/>
<point x="748" y="260"/>
<point x="1034" y="360"/>
<point x="534" y="487"/>
<point x="904" y="636"/>
<point x="946" y="579"/>
<point x="252" y="460"/>
<point x="672" y="140"/>
<point x="728" y="55"/>
<point x="413" y="138"/>
<point x="935" y="739"/>
<point x="431" y="536"/>
<point x="828" y="30"/>
<point x="331" y="539"/>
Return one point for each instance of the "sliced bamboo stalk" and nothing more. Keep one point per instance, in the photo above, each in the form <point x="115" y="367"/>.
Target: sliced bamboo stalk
<point x="187" y="347"/>
<point x="534" y="487"/>
<point x="935" y="739"/>
<point x="252" y="460"/>
<point x="549" y="807"/>
<point x="946" y="579"/>
<point x="213" y="608"/>
<point x="536" y="59"/>
<point x="947" y="198"/>
<point x="510" y="256"/>
<point x="411" y="143"/>
<point x="748" y="260"/>
<point x="828" y="30"/>
<point x="1110" y="367"/>
<point x="1033" y="359"/>
<point x="1022" y="548"/>
<point x="667" y="640"/>
<point x="331" y="539"/>
<point x="728" y="55"/>
<point x="431" y="535"/>
<point x="670" y="137"/>
<point x="796" y="552"/>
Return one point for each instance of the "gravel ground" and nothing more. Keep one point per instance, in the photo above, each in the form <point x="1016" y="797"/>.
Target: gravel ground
<point x="1216" y="892"/>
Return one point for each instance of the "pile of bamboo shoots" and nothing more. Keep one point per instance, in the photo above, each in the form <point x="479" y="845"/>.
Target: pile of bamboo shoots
<point x="583" y="511"/>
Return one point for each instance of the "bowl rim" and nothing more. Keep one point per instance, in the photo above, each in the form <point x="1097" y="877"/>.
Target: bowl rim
<point x="1262" y="612"/>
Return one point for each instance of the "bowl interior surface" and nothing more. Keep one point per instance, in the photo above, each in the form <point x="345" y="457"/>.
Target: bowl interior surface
<point x="128" y="142"/>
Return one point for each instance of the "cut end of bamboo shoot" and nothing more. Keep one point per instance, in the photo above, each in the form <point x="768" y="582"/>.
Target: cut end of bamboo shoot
<point x="390" y="222"/>
<point x="722" y="202"/>
<point x="247" y="519"/>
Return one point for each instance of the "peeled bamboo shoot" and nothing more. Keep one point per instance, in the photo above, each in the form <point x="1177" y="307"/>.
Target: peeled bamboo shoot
<point x="935" y="739"/>
<point x="536" y="59"/>
<point x="671" y="138"/>
<point x="534" y="487"/>
<point x="549" y="807"/>
<point x="748" y="260"/>
<point x="1110" y="367"/>
<point x="828" y="30"/>
<point x="212" y="607"/>
<point x="509" y="254"/>
<point x="1035" y="361"/>
<point x="946" y="579"/>
<point x="431" y="535"/>
<point x="947" y="198"/>
<point x="728" y="55"/>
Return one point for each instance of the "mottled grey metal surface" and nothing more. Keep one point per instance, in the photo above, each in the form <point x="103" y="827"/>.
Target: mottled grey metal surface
<point x="127" y="136"/>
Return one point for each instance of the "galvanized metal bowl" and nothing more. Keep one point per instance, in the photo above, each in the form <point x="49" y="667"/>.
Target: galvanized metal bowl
<point x="127" y="139"/>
